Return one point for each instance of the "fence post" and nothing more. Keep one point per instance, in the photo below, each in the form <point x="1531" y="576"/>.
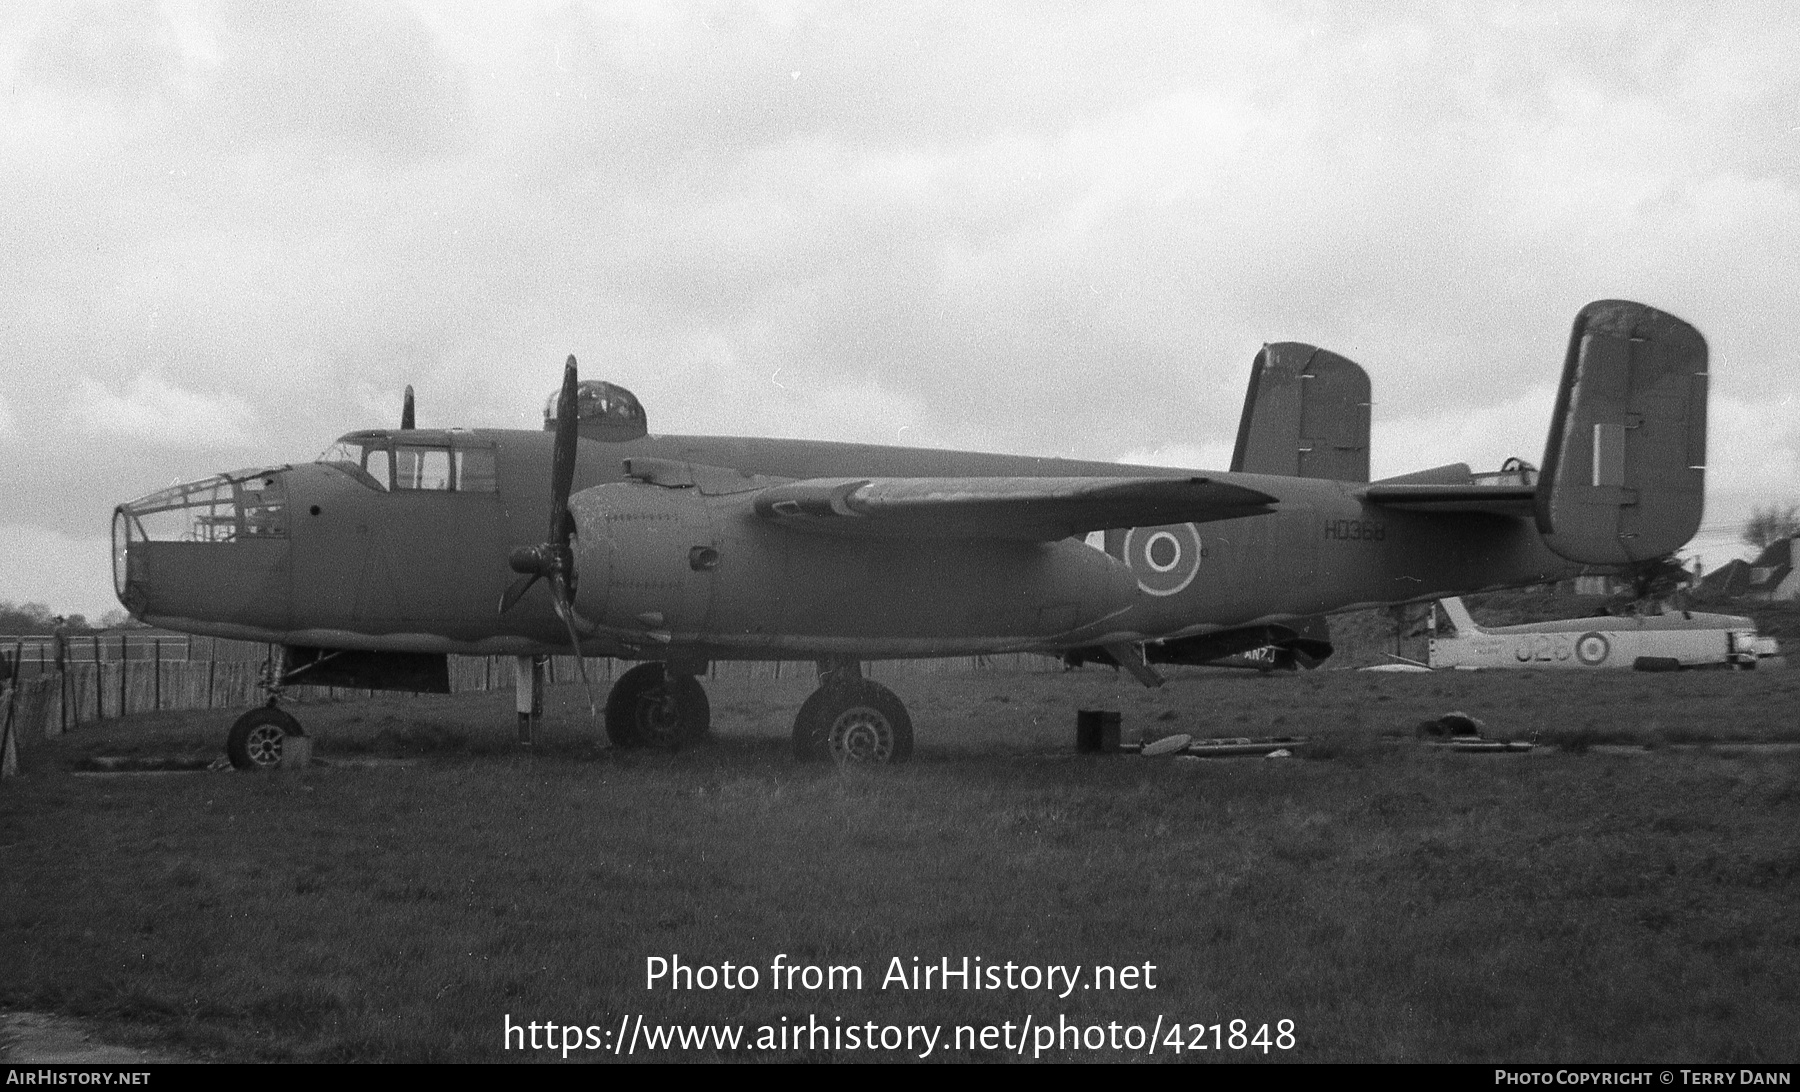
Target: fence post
<point x="156" y="646"/>
<point x="18" y="670"/>
<point x="9" y="751"/>
<point x="99" y="683"/>
<point x="61" y="678"/>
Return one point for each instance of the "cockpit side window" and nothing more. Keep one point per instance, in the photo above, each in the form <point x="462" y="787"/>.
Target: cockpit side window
<point x="367" y="462"/>
<point x="475" y="470"/>
<point x="378" y="467"/>
<point x="454" y="462"/>
<point x="418" y="467"/>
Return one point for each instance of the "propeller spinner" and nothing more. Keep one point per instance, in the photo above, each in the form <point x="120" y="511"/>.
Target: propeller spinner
<point x="554" y="558"/>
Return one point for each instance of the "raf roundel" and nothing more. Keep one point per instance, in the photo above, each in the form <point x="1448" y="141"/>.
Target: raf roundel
<point x="1592" y="648"/>
<point x="1164" y="559"/>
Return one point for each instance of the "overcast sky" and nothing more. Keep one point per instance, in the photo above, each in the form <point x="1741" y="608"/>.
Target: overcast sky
<point x="232" y="231"/>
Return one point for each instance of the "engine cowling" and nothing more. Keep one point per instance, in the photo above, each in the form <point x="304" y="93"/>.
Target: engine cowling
<point x="644" y="557"/>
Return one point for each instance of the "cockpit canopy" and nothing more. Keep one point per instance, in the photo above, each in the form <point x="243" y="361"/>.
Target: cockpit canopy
<point x="604" y="411"/>
<point x="431" y="460"/>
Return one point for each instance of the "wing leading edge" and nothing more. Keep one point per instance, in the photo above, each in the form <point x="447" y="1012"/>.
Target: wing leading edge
<point x="1034" y="509"/>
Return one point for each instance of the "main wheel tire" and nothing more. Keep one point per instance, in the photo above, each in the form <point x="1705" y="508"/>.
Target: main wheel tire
<point x="864" y="723"/>
<point x="255" y="741"/>
<point x="649" y="707"/>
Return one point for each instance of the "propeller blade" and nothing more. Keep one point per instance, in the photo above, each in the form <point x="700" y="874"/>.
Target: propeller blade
<point x="406" y="409"/>
<point x="556" y="557"/>
<point x="516" y="591"/>
<point x="566" y="611"/>
<point x="562" y="459"/>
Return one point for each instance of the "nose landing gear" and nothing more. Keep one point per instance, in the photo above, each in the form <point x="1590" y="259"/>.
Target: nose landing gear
<point x="258" y="738"/>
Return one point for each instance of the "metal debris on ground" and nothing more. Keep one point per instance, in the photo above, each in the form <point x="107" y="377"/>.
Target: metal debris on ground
<point x="1228" y="747"/>
<point x="1167" y="745"/>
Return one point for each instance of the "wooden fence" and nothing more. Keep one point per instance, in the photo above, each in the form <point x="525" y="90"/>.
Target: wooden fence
<point x="48" y="704"/>
<point x="35" y="654"/>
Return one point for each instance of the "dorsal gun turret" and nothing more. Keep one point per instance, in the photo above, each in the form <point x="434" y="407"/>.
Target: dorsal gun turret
<point x="604" y="411"/>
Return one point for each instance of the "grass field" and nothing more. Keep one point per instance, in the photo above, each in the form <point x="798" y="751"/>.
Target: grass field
<point x="1395" y="902"/>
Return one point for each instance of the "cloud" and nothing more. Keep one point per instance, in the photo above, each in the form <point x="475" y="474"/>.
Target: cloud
<point x="154" y="411"/>
<point x="1403" y="439"/>
<point x="1215" y="455"/>
<point x="346" y="80"/>
<point x="122" y="50"/>
<point x="1753" y="460"/>
<point x="70" y="573"/>
<point x="331" y="83"/>
<point x="1004" y="226"/>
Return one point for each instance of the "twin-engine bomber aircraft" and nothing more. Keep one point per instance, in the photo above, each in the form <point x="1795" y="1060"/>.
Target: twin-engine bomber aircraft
<point x="396" y="548"/>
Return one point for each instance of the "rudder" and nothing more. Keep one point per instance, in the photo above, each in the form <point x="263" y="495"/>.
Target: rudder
<point x="1625" y="467"/>
<point x="1306" y="415"/>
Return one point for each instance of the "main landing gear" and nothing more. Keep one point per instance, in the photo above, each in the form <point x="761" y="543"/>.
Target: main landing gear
<point x="653" y="705"/>
<point x="850" y="719"/>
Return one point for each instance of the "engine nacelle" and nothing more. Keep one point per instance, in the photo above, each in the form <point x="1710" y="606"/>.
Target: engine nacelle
<point x="680" y="564"/>
<point x="641" y="557"/>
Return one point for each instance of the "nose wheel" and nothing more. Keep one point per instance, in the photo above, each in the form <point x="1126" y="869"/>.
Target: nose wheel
<point x="258" y="738"/>
<point x="650" y="706"/>
<point x="856" y="722"/>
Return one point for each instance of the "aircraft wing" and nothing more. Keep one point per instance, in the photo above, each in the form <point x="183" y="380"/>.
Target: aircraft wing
<point x="1036" y="509"/>
<point x="1500" y="500"/>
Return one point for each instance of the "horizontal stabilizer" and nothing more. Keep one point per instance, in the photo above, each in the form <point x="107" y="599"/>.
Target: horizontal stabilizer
<point x="1031" y="509"/>
<point x="1500" y="500"/>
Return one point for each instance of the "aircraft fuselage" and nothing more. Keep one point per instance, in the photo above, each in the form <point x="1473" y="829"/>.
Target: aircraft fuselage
<point x="342" y="560"/>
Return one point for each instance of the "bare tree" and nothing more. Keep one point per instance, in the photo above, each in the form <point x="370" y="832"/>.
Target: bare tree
<point x="1771" y="524"/>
